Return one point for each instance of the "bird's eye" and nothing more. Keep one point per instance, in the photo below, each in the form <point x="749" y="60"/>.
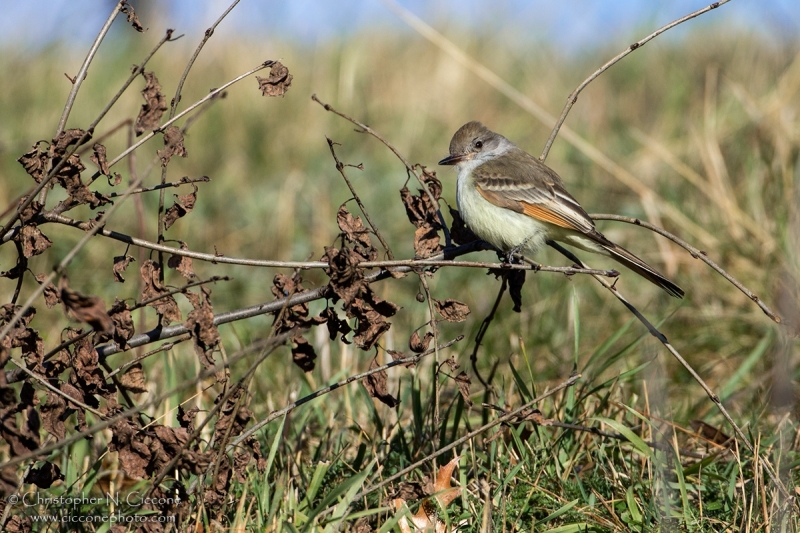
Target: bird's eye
<point x="478" y="144"/>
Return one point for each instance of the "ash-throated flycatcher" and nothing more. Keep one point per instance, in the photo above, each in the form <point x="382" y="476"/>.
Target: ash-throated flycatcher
<point x="510" y="199"/>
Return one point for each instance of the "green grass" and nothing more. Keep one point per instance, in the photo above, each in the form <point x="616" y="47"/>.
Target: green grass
<point x="715" y="105"/>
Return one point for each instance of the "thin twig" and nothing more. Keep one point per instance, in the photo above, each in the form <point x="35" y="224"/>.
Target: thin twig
<point x="597" y="431"/>
<point x="163" y="348"/>
<point x="409" y="167"/>
<point x="340" y="168"/>
<point x="697" y="254"/>
<point x="399" y="265"/>
<point x="76" y="85"/>
<point x="44" y="381"/>
<point x="435" y="331"/>
<point x="663" y="339"/>
<point x="105" y="135"/>
<point x="573" y="97"/>
<point x="213" y="94"/>
<point x="325" y="390"/>
<point x="173" y="109"/>
<point x="482" y="332"/>
<point x="182" y="181"/>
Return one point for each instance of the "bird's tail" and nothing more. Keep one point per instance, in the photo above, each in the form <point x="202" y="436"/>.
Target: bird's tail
<point x="623" y="256"/>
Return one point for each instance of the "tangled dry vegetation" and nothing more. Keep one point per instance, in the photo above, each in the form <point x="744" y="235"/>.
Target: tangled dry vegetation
<point x="152" y="395"/>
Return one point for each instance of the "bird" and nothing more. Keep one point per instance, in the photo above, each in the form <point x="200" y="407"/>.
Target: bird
<point x="515" y="202"/>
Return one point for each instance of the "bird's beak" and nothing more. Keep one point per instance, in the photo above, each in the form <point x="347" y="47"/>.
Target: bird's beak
<point x="453" y="159"/>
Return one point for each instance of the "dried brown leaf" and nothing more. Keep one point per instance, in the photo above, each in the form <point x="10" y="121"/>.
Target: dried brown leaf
<point x="418" y="345"/>
<point x="396" y="356"/>
<point x="353" y="227"/>
<point x="278" y="82"/>
<point x="182" y="263"/>
<point x="45" y="475"/>
<point x="66" y="138"/>
<point x="33" y="241"/>
<point x="173" y="145"/>
<point x="133" y="379"/>
<point x="132" y="18"/>
<point x="346" y="278"/>
<point x="426" y="242"/>
<point x="129" y="442"/>
<point x="444" y="491"/>
<point x="516" y="279"/>
<point x="376" y="385"/>
<point x="53" y="414"/>
<point x="451" y="310"/>
<point x="183" y="206"/>
<point x="384" y="307"/>
<point x="426" y="518"/>
<point x="335" y="324"/>
<point x="419" y="208"/>
<point x="165" y="305"/>
<point x="303" y="353"/>
<point x="51" y="297"/>
<point x="27" y="214"/>
<point x="89" y="309"/>
<point x="200" y="321"/>
<point x="34" y="162"/>
<point x="186" y="418"/>
<point x="463" y="382"/>
<point x="121" y="262"/>
<point x="154" y="107"/>
<point x="123" y="323"/>
<point x="16" y="523"/>
<point x="99" y="158"/>
<point x="371" y="324"/>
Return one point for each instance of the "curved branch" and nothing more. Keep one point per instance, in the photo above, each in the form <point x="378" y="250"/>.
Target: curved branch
<point x="76" y="85"/>
<point x="573" y="97"/>
<point x="399" y="265"/>
<point x="409" y="167"/>
<point x="697" y="254"/>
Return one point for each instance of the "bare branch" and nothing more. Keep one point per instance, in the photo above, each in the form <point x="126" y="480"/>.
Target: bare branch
<point x="340" y="168"/>
<point x="182" y="181"/>
<point x="573" y="97"/>
<point x="409" y="167"/>
<point x="76" y="85"/>
<point x="697" y="254"/>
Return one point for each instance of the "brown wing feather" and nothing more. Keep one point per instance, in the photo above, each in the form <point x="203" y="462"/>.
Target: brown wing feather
<point x="526" y="185"/>
<point x="541" y="212"/>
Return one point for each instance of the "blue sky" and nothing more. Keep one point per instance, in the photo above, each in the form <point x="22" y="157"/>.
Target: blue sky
<point x="571" y="25"/>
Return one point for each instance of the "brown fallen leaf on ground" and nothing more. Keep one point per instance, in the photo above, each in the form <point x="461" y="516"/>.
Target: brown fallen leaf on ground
<point x="427" y="518"/>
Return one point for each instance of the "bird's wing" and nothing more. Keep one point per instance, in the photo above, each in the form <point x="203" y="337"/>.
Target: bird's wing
<point x="524" y="184"/>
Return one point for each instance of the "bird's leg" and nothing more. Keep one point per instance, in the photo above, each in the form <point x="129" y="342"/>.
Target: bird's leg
<point x="510" y="259"/>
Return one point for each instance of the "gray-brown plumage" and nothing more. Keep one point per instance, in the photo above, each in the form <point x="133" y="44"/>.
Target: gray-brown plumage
<point x="510" y="199"/>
